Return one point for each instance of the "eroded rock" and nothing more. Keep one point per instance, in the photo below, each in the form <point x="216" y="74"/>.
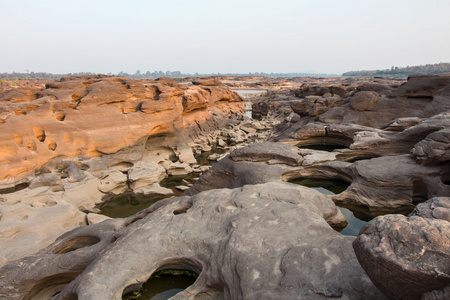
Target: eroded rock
<point x="364" y="100"/>
<point x="406" y="257"/>
<point x="244" y="244"/>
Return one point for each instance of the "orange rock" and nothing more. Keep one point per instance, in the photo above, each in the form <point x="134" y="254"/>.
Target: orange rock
<point x="95" y="115"/>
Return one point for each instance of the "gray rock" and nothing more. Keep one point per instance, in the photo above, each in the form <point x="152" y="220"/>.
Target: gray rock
<point x="406" y="257"/>
<point x="364" y="100"/>
<point x="270" y="152"/>
<point x="254" y="164"/>
<point x="143" y="174"/>
<point x="434" y="149"/>
<point x="114" y="182"/>
<point x="422" y="86"/>
<point x="315" y="105"/>
<point x="268" y="241"/>
<point x="47" y="179"/>
<point x="435" y="208"/>
<point x="389" y="184"/>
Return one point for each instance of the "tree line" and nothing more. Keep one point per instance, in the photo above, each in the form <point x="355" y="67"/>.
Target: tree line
<point x="402" y="72"/>
<point x="39" y="75"/>
<point x="152" y="75"/>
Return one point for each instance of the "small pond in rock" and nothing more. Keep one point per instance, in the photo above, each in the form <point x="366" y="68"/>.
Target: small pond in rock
<point x="202" y="159"/>
<point x="333" y="187"/>
<point x="127" y="204"/>
<point x="323" y="147"/>
<point x="163" y="285"/>
<point x="249" y="93"/>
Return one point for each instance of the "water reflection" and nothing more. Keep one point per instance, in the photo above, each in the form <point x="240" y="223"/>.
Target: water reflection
<point x="333" y="187"/>
<point x="127" y="204"/>
<point x="249" y="93"/>
<point x="163" y="285"/>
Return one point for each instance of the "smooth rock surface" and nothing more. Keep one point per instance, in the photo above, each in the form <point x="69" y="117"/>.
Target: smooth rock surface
<point x="267" y="241"/>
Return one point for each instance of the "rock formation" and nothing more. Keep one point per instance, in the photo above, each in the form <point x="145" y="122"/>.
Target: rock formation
<point x="247" y="243"/>
<point x="93" y="116"/>
<point x="395" y="158"/>
<point x="80" y="140"/>
<point x="407" y="257"/>
<point x="245" y="232"/>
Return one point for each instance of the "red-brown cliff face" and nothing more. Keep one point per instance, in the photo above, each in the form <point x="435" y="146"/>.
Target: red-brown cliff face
<point x="95" y="115"/>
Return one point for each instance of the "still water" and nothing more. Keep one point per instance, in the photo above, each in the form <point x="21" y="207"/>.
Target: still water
<point x="249" y="93"/>
<point x="333" y="187"/>
<point x="163" y="285"/>
<point x="128" y="204"/>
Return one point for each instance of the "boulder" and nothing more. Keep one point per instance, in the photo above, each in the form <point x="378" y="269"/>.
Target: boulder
<point x="144" y="174"/>
<point x="114" y="182"/>
<point x="406" y="257"/>
<point x="364" y="100"/>
<point x="315" y="105"/>
<point x="177" y="169"/>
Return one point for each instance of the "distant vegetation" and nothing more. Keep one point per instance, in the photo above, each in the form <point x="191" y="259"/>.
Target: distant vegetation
<point x="39" y="75"/>
<point x="155" y="74"/>
<point x="402" y="72"/>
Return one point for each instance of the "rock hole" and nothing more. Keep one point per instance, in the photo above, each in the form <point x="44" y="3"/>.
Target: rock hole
<point x="76" y="243"/>
<point x="39" y="133"/>
<point x="163" y="285"/>
<point x="60" y="115"/>
<point x="139" y="107"/>
<point x="330" y="147"/>
<point x="18" y="139"/>
<point x="330" y="142"/>
<point x="50" y="286"/>
<point x="71" y="296"/>
<point x="419" y="190"/>
<point x="446" y="179"/>
<point x="182" y="210"/>
<point x="31" y="146"/>
<point x="52" y="146"/>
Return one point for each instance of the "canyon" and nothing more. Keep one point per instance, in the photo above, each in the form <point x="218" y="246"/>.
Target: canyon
<point x="244" y="226"/>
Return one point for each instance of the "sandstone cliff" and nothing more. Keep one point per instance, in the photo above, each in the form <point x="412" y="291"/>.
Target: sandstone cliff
<point x="93" y="115"/>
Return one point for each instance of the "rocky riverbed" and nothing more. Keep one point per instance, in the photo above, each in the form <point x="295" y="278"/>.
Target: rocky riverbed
<point x="244" y="227"/>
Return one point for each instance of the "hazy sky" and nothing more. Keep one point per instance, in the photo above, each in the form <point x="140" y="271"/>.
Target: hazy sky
<point x="211" y="36"/>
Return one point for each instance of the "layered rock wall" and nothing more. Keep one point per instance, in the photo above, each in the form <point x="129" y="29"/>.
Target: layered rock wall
<point x="93" y="116"/>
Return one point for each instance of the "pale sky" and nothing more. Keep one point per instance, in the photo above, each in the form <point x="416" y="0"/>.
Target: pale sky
<point x="212" y="36"/>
